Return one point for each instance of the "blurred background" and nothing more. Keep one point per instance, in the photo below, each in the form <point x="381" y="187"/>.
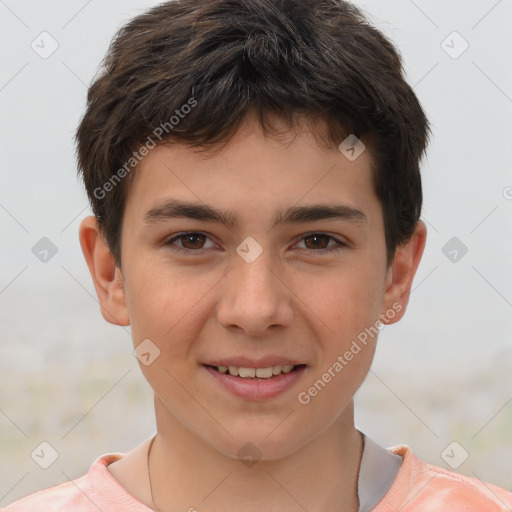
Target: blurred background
<point x="441" y="381"/>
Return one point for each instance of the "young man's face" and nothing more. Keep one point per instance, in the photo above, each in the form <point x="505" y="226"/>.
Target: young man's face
<point x="282" y="284"/>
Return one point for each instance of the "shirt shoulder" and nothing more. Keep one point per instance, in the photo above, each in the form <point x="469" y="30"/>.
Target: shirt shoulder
<point x="60" y="497"/>
<point x="96" y="490"/>
<point x="423" y="487"/>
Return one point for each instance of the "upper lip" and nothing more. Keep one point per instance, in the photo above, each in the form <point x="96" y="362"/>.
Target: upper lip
<point x="245" y="362"/>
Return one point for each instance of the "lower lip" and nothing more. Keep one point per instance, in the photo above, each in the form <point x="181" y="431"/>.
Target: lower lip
<point x="257" y="389"/>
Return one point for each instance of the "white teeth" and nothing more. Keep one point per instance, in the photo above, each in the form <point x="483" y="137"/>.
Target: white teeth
<point x="264" y="373"/>
<point x="247" y="372"/>
<point x="261" y="373"/>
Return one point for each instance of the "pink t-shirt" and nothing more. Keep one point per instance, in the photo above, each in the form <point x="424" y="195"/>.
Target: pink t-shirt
<point x="418" y="487"/>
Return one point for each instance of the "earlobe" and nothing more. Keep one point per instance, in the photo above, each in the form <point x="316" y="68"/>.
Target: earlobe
<point x="105" y="274"/>
<point x="400" y="275"/>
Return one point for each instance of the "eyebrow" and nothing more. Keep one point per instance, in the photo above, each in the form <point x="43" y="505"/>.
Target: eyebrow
<point x="172" y="209"/>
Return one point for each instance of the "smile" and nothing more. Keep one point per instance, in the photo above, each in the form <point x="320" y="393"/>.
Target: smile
<point x="260" y="373"/>
<point x="255" y="384"/>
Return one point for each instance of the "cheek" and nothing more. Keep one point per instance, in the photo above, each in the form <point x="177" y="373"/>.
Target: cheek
<point x="166" y="309"/>
<point x="345" y="315"/>
<point x="341" y="303"/>
<point x="167" y="306"/>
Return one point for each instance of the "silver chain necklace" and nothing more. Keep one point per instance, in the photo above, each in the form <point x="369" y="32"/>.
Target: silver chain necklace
<point x="372" y="487"/>
<point x="155" y="508"/>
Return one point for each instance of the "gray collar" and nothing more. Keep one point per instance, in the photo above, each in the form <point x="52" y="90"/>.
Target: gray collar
<point x="377" y="472"/>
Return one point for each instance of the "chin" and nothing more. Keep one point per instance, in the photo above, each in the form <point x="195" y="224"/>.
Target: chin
<point x="250" y="446"/>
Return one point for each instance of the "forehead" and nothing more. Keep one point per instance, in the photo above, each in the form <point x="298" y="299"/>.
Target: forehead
<point x="256" y="173"/>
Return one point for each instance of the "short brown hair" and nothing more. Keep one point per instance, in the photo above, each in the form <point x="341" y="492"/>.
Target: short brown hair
<point x="195" y="70"/>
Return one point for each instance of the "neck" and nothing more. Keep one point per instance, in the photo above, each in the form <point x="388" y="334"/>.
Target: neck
<point x="187" y="473"/>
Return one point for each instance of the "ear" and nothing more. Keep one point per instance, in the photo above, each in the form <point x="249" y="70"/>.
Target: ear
<point x="105" y="274"/>
<point x="400" y="274"/>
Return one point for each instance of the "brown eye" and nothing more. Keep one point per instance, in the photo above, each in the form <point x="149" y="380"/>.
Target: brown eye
<point x="321" y="243"/>
<point x="317" y="241"/>
<point x="192" y="241"/>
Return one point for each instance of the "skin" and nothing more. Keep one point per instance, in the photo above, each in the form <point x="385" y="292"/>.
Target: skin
<point x="296" y="299"/>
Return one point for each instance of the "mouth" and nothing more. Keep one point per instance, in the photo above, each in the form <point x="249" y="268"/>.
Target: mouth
<point x="266" y="373"/>
<point x="255" y="383"/>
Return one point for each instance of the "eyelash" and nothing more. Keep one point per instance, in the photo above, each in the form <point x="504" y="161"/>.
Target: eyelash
<point x="169" y="243"/>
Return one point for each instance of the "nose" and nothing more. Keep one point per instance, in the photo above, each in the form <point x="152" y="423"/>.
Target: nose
<point x="254" y="298"/>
